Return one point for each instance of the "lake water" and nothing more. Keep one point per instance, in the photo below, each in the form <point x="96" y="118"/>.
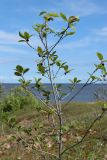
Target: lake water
<point x="86" y="95"/>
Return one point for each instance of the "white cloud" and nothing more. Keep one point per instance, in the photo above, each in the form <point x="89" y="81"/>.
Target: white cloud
<point x="99" y="36"/>
<point x="9" y="42"/>
<point x="80" y="7"/>
<point x="8" y="37"/>
<point x="83" y="7"/>
<point x="4" y="48"/>
<point x="30" y="9"/>
<point x="7" y="60"/>
<point x="101" y="31"/>
<point x="81" y="43"/>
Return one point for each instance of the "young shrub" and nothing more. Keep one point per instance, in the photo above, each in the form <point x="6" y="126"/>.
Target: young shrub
<point x="50" y="66"/>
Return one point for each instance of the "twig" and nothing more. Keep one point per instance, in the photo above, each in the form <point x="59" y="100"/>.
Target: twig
<point x="86" y="133"/>
<point x="87" y="83"/>
<point x="59" y="40"/>
<point x="30" y="45"/>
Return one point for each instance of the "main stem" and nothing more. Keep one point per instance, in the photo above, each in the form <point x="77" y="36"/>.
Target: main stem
<point x="60" y="137"/>
<point x="58" y="109"/>
<point x="58" y="114"/>
<point x="57" y="103"/>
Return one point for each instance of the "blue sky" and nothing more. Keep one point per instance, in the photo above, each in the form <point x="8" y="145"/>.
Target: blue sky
<point x="79" y="51"/>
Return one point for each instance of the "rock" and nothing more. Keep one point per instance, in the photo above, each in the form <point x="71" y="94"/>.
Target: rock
<point x="7" y="146"/>
<point x="1" y="153"/>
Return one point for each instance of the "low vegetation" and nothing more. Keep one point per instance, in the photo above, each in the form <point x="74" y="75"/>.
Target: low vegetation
<point x="28" y="132"/>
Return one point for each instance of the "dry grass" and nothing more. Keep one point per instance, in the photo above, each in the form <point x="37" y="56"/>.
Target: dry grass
<point x="37" y="134"/>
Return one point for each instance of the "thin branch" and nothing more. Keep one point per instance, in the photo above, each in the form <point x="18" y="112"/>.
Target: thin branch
<point x="49" y="105"/>
<point x="56" y="73"/>
<point x="86" y="133"/>
<point x="59" y="40"/>
<point x="50" y="75"/>
<point x="87" y="83"/>
<point x="41" y="40"/>
<point x="34" y="94"/>
<point x="75" y="85"/>
<point x="30" y="46"/>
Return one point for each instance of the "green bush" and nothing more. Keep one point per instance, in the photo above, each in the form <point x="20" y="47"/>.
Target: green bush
<point x="18" y="99"/>
<point x="1" y="90"/>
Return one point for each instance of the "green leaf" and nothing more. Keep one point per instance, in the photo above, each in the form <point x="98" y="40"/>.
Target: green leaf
<point x="67" y="71"/>
<point x="41" y="68"/>
<point x="100" y="66"/>
<point x="17" y="74"/>
<point x="21" y="35"/>
<point x="72" y="27"/>
<point x="41" y="13"/>
<point x="44" y="34"/>
<point x="37" y="29"/>
<point x="73" y="19"/>
<point x="55" y="137"/>
<point x="39" y="50"/>
<point x="105" y="105"/>
<point x="25" y="70"/>
<point x="53" y="14"/>
<point x="92" y="77"/>
<point x="48" y="18"/>
<point x="38" y="83"/>
<point x="100" y="56"/>
<point x="19" y="68"/>
<point x="65" y="128"/>
<point x="104" y="108"/>
<point x="63" y="17"/>
<point x="65" y="67"/>
<point x="58" y="63"/>
<point x="75" y="79"/>
<point x="21" y="41"/>
<point x="27" y="82"/>
<point x="27" y="35"/>
<point x="78" y="81"/>
<point x="70" y="33"/>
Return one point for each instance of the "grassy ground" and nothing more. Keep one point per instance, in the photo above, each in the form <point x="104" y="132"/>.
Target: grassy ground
<point x="33" y="135"/>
